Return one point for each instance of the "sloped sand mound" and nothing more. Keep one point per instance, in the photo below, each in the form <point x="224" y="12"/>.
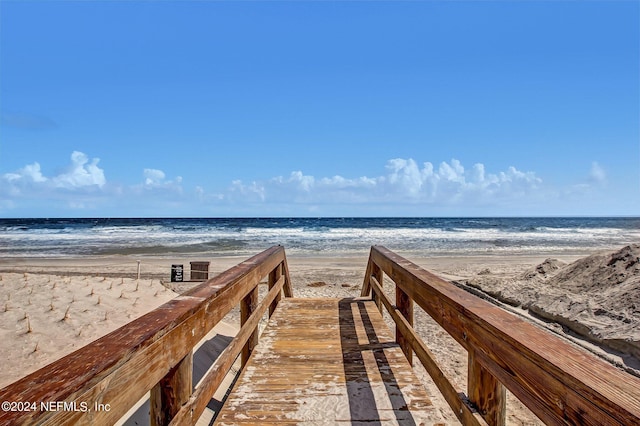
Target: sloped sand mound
<point x="600" y="271"/>
<point x="597" y="297"/>
<point x="544" y="270"/>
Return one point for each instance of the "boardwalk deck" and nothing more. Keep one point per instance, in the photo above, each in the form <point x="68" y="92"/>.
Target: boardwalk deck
<point x="327" y="361"/>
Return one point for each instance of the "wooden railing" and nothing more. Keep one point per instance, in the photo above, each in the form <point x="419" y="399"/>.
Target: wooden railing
<point x="100" y="382"/>
<point x="561" y="384"/>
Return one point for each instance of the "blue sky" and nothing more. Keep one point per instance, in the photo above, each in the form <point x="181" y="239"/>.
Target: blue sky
<point x="488" y="108"/>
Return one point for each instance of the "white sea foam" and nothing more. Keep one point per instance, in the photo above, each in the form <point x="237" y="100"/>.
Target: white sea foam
<point x="307" y="236"/>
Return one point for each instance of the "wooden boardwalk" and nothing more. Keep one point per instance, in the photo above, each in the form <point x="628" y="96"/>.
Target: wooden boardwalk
<point x="327" y="361"/>
<point x="324" y="361"/>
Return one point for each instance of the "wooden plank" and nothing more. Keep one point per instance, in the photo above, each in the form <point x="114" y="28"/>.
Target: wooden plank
<point x="326" y="361"/>
<point x="463" y="412"/>
<point x="274" y="276"/>
<point x="171" y="392"/>
<point x="486" y="392"/>
<point x="366" y="286"/>
<point x="378" y="275"/>
<point x="556" y="380"/>
<point x="192" y="410"/>
<point x="247" y="306"/>
<point x="287" y="290"/>
<point x="405" y="307"/>
<point x="119" y="368"/>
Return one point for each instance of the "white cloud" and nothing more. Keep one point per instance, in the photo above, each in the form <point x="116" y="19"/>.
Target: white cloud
<point x="153" y="176"/>
<point x="477" y="173"/>
<point x="78" y="187"/>
<point x="453" y="172"/>
<point x="597" y="174"/>
<point x="80" y="173"/>
<point x="252" y="192"/>
<point x="156" y="182"/>
<point x="404" y="181"/>
<point x="29" y="173"/>
<point x="406" y="175"/>
<point x="404" y="185"/>
<point x="302" y="182"/>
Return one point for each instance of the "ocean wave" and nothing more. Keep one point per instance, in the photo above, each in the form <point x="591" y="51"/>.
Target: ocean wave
<point x="313" y="236"/>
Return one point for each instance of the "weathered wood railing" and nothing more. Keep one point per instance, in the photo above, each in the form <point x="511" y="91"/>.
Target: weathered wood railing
<point x="100" y="382"/>
<point x="558" y="382"/>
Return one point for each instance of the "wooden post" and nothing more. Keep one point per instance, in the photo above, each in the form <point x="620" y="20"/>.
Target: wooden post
<point x="247" y="306"/>
<point x="173" y="390"/>
<point x="377" y="273"/>
<point x="287" y="289"/>
<point x="274" y="276"/>
<point x="405" y="306"/>
<point x="486" y="392"/>
<point x="366" y="285"/>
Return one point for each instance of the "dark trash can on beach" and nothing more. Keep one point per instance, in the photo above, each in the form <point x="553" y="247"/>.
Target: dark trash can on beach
<point x="199" y="271"/>
<point x="177" y="273"/>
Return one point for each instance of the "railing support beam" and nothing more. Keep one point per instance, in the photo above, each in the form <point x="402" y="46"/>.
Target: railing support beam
<point x="405" y="306"/>
<point x="149" y="353"/>
<point x="171" y="392"/>
<point x="377" y="273"/>
<point x="274" y="276"/>
<point x="247" y="306"/>
<point x="486" y="392"/>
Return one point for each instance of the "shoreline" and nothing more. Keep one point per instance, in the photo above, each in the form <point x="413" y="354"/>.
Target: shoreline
<point x="89" y="286"/>
<point x="155" y="265"/>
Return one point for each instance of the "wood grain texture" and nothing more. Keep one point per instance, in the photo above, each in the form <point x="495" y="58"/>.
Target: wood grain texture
<point x="326" y="361"/>
<point x="366" y="286"/>
<point x="171" y="392"/>
<point x="274" y="276"/>
<point x="405" y="306"/>
<point x="486" y="392"/>
<point x="288" y="289"/>
<point x="119" y="368"/>
<point x="453" y="396"/>
<point x="378" y="275"/>
<point x="559" y="382"/>
<point x="191" y="411"/>
<point x="329" y="360"/>
<point x="247" y="306"/>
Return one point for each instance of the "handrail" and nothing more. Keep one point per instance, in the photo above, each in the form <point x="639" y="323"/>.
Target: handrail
<point x="100" y="382"/>
<point x="558" y="382"/>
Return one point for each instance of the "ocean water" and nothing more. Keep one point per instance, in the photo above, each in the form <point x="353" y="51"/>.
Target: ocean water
<point x="313" y="236"/>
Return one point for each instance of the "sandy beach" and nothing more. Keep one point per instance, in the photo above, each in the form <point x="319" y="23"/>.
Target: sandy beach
<point x="50" y="307"/>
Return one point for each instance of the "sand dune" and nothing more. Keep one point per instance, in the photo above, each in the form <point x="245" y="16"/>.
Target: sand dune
<point x="596" y="297"/>
<point x="45" y="316"/>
